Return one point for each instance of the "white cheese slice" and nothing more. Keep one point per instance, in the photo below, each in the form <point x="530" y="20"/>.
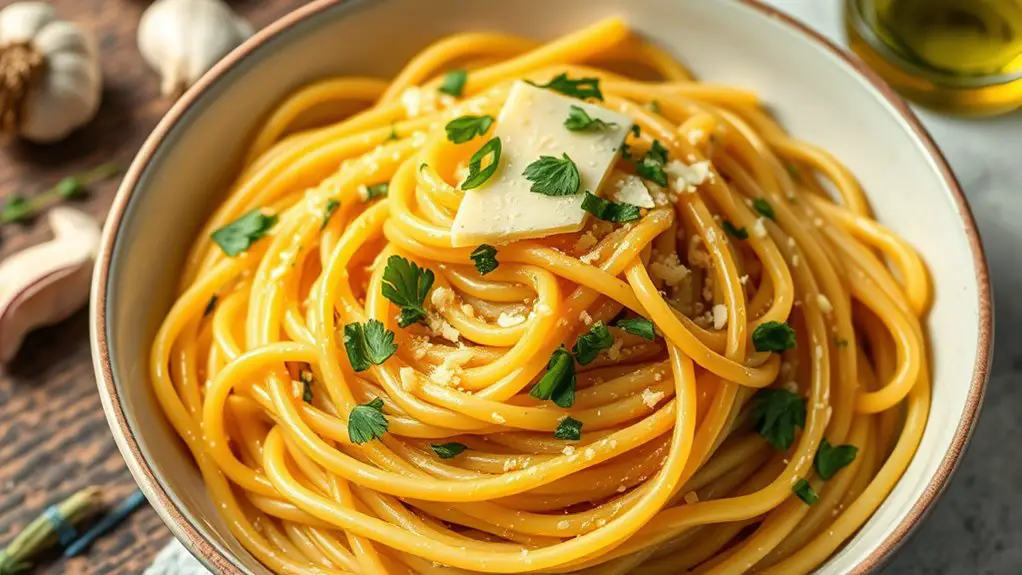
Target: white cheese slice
<point x="629" y="189"/>
<point x="531" y="125"/>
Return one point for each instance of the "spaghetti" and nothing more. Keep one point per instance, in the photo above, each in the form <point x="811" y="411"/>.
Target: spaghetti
<point x="780" y="398"/>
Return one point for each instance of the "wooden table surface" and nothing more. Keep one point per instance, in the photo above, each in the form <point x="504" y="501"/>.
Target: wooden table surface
<point x="54" y="438"/>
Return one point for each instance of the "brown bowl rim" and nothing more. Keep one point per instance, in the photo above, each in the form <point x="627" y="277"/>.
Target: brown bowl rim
<point x="211" y="555"/>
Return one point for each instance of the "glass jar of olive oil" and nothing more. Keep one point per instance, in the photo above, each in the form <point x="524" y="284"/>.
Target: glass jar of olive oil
<point x="957" y="56"/>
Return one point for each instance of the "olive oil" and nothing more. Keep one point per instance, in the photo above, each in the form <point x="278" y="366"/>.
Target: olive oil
<point x="958" y="56"/>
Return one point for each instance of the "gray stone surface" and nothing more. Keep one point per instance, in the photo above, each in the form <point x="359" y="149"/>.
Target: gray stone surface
<point x="976" y="527"/>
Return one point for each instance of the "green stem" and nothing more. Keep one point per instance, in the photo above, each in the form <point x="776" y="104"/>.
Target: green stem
<point x="41" y="533"/>
<point x="19" y="208"/>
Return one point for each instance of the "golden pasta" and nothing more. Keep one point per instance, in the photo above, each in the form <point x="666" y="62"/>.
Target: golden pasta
<point x="730" y="378"/>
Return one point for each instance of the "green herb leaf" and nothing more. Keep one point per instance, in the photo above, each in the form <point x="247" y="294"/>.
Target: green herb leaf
<point x="448" y="450"/>
<point x="654" y="106"/>
<point x="239" y="235"/>
<point x="582" y="88"/>
<point x="580" y="121"/>
<point x="454" y="83"/>
<point x="16" y="209"/>
<point x="652" y="164"/>
<point x="830" y="459"/>
<point x="69" y="187"/>
<point x="463" y="129"/>
<point x="773" y="336"/>
<point x="377" y="191"/>
<point x="367" y="422"/>
<point x="636" y="130"/>
<point x="369" y="344"/>
<point x="552" y="176"/>
<point x="592" y="342"/>
<point x="485" y="259"/>
<point x="609" y="211"/>
<point x="210" y="306"/>
<point x="569" y="428"/>
<point x="626" y="150"/>
<point x="558" y="383"/>
<point x="393" y="133"/>
<point x="306" y="378"/>
<point x="639" y="326"/>
<point x="840" y="342"/>
<point x="328" y="211"/>
<point x="763" y="207"/>
<point x="477" y="174"/>
<point x="777" y="412"/>
<point x="731" y="230"/>
<point x="805" y="492"/>
<point x="792" y="170"/>
<point x="407" y="285"/>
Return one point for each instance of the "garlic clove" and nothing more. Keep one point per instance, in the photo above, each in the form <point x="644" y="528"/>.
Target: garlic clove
<point x="23" y="20"/>
<point x="46" y="283"/>
<point x="64" y="37"/>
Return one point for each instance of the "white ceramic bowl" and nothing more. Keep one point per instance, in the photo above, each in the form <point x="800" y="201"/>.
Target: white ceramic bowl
<point x="814" y="89"/>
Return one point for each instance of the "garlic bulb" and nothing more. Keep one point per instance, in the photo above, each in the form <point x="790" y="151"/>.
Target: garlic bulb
<point x="182" y="39"/>
<point x="50" y="81"/>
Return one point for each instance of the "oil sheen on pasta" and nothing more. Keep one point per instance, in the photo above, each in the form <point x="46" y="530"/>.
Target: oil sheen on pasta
<point x="670" y="473"/>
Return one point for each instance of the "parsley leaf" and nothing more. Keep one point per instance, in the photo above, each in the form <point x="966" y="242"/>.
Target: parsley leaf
<point x="639" y="326"/>
<point x="609" y="211"/>
<point x="569" y="428"/>
<point x="654" y="106"/>
<point x="763" y="207"/>
<point x="731" y="230"/>
<point x="328" y="211"/>
<point x="448" y="450"/>
<point x="16" y="209"/>
<point x="773" y="336"/>
<point x="636" y="130"/>
<point x="777" y="412"/>
<point x="485" y="259"/>
<point x="651" y="166"/>
<point x="463" y="129"/>
<point x="407" y="285"/>
<point x="552" y="176"/>
<point x="477" y="174"/>
<point x="393" y="133"/>
<point x="306" y="378"/>
<point x="805" y="492"/>
<point x="454" y="83"/>
<point x="367" y="422"/>
<point x="840" y="342"/>
<point x="558" y="383"/>
<point x="377" y="191"/>
<point x="240" y="234"/>
<point x="210" y="306"/>
<point x="69" y="187"/>
<point x="580" y="121"/>
<point x="592" y="342"/>
<point x="582" y="88"/>
<point x="830" y="459"/>
<point x="369" y="344"/>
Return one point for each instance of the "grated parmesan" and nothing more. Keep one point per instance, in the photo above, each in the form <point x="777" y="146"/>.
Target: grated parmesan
<point x="651" y="398"/>
<point x="719" y="316"/>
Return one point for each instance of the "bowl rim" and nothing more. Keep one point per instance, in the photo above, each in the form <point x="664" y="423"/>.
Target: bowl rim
<point x="218" y="561"/>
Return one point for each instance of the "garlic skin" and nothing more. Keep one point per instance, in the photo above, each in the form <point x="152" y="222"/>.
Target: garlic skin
<point x="50" y="79"/>
<point x="46" y="283"/>
<point x="182" y="39"/>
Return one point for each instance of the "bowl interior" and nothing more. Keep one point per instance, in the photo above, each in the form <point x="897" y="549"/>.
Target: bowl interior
<point x="816" y="94"/>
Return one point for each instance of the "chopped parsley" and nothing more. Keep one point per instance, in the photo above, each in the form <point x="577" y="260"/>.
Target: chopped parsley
<point x="731" y="230"/>
<point x="377" y="191"/>
<point x="477" y="174"/>
<point x="367" y="422"/>
<point x="583" y="88"/>
<point x="70" y="187"/>
<point x="841" y="342"/>
<point x="552" y="176"/>
<point x="393" y="133"/>
<point x="454" y="83"/>
<point x="328" y="211"/>
<point x="485" y="259"/>
<point x="610" y="211"/>
<point x="463" y="129"/>
<point x="777" y="412"/>
<point x="210" y="306"/>
<point x="16" y="209"/>
<point x="654" y="106"/>
<point x="580" y="121"/>
<point x="636" y="130"/>
<point x="306" y="378"/>
<point x="652" y="164"/>
<point x="639" y="326"/>
<point x="830" y="459"/>
<point x="368" y="344"/>
<point x="805" y="492"/>
<point x="773" y="336"/>
<point x="406" y="284"/>
<point x="448" y="450"/>
<point x="592" y="342"/>
<point x="763" y="207"/>
<point x="558" y="383"/>
<point x="239" y="235"/>
<point x="569" y="428"/>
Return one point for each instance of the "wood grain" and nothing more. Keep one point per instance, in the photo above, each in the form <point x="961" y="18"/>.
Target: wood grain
<point x="53" y="436"/>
